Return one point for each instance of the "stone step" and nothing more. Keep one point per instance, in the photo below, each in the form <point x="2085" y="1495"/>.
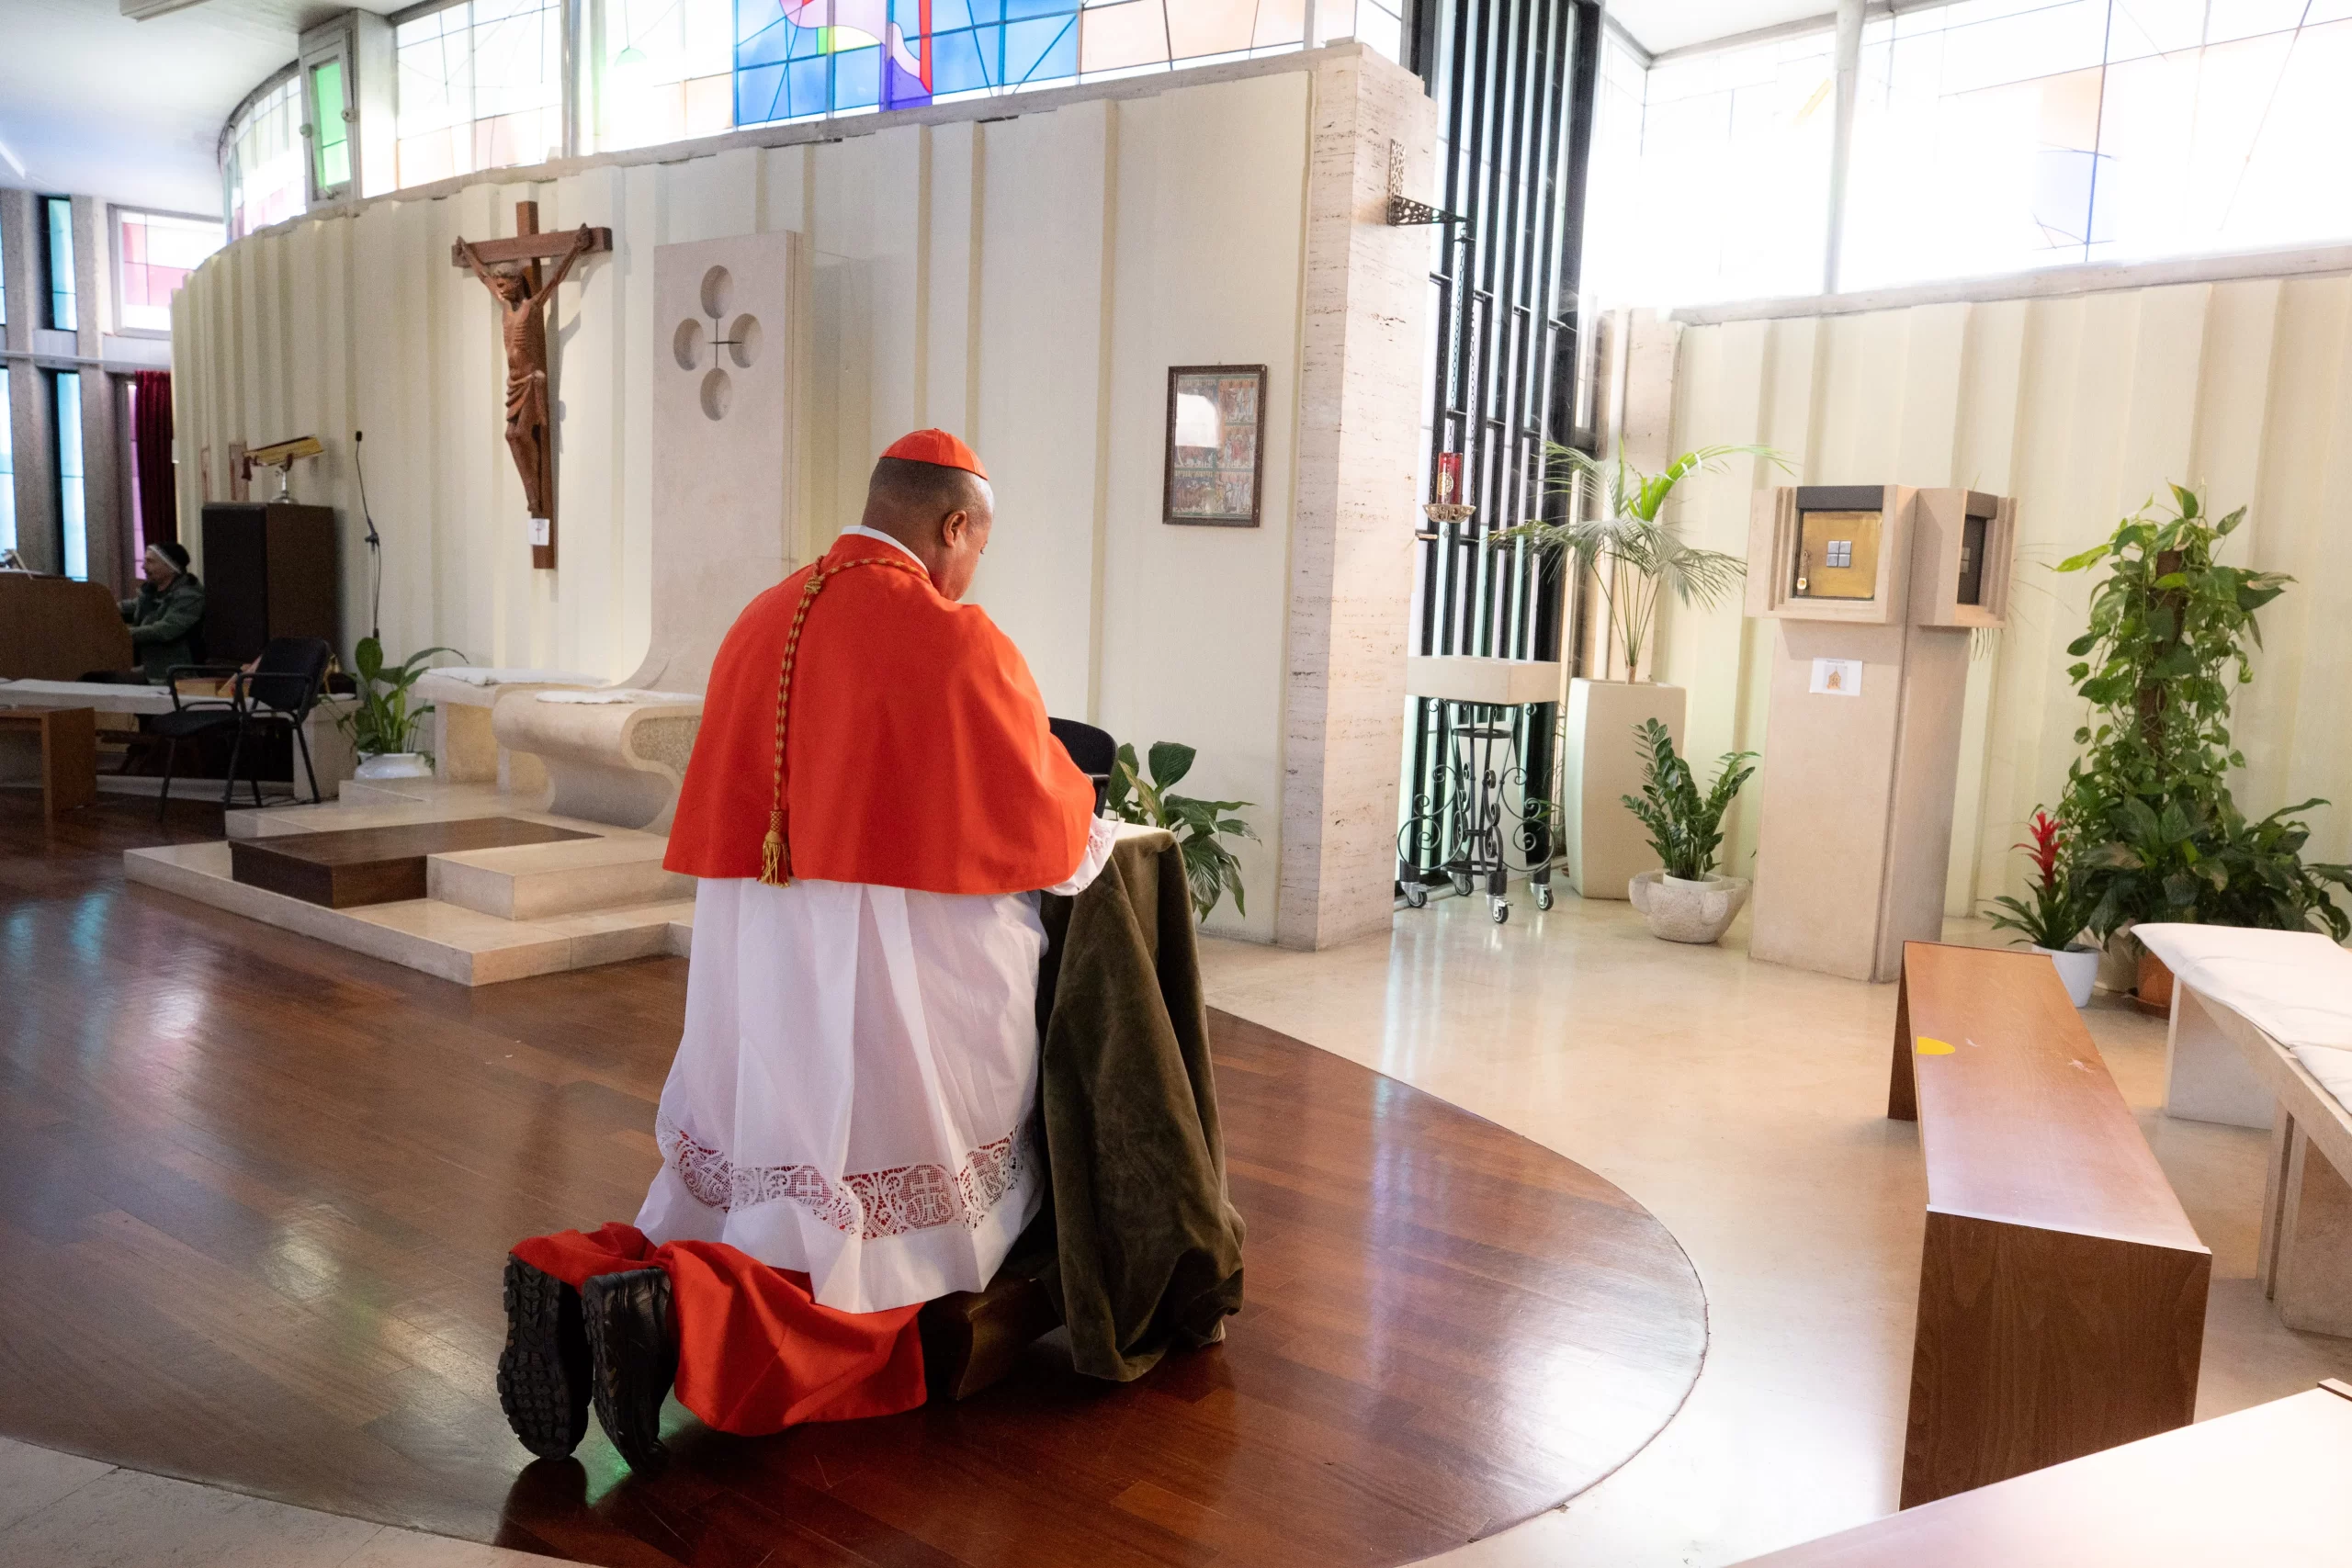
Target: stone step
<point x="534" y="882"/>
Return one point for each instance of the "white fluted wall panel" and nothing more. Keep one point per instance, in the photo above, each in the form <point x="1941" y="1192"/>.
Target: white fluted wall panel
<point x="2082" y="407"/>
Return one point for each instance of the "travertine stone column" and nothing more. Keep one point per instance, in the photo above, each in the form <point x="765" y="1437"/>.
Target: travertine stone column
<point x="1350" y="562"/>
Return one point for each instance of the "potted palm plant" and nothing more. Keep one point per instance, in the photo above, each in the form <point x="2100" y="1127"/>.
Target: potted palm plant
<point x="1684" y="899"/>
<point x="2061" y="909"/>
<point x="382" y="724"/>
<point x="1616" y="531"/>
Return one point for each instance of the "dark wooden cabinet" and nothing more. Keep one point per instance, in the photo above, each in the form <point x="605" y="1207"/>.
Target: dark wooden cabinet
<point x="270" y="570"/>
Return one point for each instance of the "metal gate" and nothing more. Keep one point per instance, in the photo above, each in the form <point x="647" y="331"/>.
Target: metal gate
<point x="1514" y="81"/>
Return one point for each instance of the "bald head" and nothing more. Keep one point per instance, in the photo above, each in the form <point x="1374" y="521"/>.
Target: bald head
<point x="941" y="514"/>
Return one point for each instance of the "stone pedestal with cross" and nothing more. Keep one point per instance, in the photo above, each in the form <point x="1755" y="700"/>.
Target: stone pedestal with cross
<point x="725" y="435"/>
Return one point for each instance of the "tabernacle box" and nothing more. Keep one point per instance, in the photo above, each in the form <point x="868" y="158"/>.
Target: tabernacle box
<point x="1881" y="555"/>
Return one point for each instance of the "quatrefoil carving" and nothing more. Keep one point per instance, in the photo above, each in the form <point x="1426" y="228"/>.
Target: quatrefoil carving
<point x="695" y="345"/>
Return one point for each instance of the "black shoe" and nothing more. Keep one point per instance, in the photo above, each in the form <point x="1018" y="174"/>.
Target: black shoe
<point x="636" y="1360"/>
<point x="543" y="1373"/>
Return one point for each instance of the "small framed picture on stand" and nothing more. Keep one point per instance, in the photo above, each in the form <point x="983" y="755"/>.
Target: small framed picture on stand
<point x="1215" y="453"/>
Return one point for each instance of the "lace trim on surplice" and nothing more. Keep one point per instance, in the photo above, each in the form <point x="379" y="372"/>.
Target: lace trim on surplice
<point x="869" y="1204"/>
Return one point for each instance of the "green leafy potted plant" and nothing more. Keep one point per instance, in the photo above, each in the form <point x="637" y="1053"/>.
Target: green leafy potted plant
<point x="1685" y="900"/>
<point x="381" y="724"/>
<point x="1616" y="531"/>
<point x="2161" y="838"/>
<point x="1210" y="868"/>
<point x="2059" y="910"/>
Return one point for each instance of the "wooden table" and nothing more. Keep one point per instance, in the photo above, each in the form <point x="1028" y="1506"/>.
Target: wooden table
<point x="373" y="865"/>
<point x="69" y="754"/>
<point x="2062" y="1289"/>
<point x="2264" y="1486"/>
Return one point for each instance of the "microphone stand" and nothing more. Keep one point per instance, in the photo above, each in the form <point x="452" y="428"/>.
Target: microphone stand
<point x="374" y="546"/>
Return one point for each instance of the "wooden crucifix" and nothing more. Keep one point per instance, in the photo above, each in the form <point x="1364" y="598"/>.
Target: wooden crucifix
<point x="510" y="270"/>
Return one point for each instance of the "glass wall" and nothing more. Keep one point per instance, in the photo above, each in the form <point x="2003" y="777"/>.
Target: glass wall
<point x="1994" y="137"/>
<point x="480" y="86"/>
<point x="668" y="70"/>
<point x="73" y="515"/>
<point x="802" y="59"/>
<point x="57" y="261"/>
<point x="7" y="469"/>
<point x="263" y="171"/>
<point x="154" y="253"/>
<point x="1991" y="137"/>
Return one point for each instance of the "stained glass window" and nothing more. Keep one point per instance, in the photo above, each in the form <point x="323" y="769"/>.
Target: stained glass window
<point x="71" y="513"/>
<point x="799" y="59"/>
<point x="57" y="214"/>
<point x="330" y="132"/>
<point x="156" y="253"/>
<point x="7" y="469"/>
<point x="263" y="173"/>
<point x="668" y="72"/>
<point x="481" y="87"/>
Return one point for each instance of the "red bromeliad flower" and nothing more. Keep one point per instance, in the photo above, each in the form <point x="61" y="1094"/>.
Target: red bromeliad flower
<point x="2048" y="840"/>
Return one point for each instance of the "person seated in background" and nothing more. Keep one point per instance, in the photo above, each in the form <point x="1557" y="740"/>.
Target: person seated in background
<point x="164" y="616"/>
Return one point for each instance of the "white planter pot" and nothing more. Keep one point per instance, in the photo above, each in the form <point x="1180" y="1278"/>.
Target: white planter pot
<point x="2078" y="967"/>
<point x="1600" y="763"/>
<point x="394" y="765"/>
<point x="1679" y="911"/>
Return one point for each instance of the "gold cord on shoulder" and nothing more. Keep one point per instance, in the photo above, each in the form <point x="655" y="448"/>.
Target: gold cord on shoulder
<point x="776" y="849"/>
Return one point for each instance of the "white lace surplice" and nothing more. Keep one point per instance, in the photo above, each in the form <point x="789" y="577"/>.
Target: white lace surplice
<point x="854" y="1094"/>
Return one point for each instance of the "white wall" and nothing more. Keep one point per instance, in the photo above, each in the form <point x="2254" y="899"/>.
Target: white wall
<point x="2081" y="405"/>
<point x="1026" y="282"/>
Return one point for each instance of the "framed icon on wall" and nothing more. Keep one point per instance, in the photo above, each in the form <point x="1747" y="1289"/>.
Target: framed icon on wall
<point x="1215" y="452"/>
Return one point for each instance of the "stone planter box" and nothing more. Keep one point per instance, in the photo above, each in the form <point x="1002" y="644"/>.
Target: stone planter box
<point x="1679" y="910"/>
<point x="1600" y="762"/>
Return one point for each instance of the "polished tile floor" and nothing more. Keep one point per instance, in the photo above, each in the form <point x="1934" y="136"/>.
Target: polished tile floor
<point x="1744" y="1104"/>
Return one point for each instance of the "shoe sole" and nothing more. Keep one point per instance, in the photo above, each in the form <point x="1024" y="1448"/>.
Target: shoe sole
<point x="544" y="1372"/>
<point x="634" y="1364"/>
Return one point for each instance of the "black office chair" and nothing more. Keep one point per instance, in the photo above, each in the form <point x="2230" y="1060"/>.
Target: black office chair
<point x="281" y="688"/>
<point x="1092" y="750"/>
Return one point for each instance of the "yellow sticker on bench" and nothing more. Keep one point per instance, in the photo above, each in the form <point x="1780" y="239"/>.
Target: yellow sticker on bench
<point x="1928" y="1047"/>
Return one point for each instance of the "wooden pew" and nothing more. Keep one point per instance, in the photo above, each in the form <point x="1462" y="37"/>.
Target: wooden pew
<point x="2062" y="1289"/>
<point x="54" y="628"/>
<point x="2264" y="1486"/>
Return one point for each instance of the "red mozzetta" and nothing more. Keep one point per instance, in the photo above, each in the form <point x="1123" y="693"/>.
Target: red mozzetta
<point x="916" y="752"/>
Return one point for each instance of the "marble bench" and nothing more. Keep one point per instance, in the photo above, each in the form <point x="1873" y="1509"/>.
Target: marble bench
<point x="465" y="749"/>
<point x="2261" y="1036"/>
<point x="614" y="754"/>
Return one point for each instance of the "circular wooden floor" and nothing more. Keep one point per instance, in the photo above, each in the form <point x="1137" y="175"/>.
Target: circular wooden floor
<point x="259" y="1189"/>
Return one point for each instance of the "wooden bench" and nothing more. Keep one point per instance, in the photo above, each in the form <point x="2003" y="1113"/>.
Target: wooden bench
<point x="2062" y="1289"/>
<point x="2264" y="1486"/>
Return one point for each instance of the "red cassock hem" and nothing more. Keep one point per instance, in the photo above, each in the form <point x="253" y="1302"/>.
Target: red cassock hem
<point x="756" y="1353"/>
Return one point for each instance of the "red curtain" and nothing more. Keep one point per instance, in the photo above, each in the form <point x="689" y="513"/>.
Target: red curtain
<point x="158" y="505"/>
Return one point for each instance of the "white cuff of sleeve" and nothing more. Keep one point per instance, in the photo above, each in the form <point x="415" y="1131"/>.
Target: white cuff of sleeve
<point x="1102" y="833"/>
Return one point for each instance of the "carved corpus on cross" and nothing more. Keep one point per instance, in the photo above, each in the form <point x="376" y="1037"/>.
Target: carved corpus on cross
<point x="510" y="270"/>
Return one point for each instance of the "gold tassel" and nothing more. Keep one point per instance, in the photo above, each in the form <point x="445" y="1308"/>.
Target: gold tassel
<point x="772" y="852"/>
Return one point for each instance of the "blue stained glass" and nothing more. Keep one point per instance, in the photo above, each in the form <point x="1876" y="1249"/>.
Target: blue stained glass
<point x="769" y="46"/>
<point x="1042" y="50"/>
<point x="758" y="92"/>
<point x="956" y="65"/>
<point x="946" y="16"/>
<point x="1017" y="10"/>
<point x="857" y="78"/>
<point x="808" y="85"/>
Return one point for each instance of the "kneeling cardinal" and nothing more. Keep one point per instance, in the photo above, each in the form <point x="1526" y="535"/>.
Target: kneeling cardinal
<point x="874" y="802"/>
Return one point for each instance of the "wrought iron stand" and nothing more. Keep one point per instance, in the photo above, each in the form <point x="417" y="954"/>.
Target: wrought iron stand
<point x="1471" y="829"/>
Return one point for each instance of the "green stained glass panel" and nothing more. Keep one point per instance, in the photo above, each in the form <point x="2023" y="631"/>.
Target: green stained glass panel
<point x="331" y="136"/>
